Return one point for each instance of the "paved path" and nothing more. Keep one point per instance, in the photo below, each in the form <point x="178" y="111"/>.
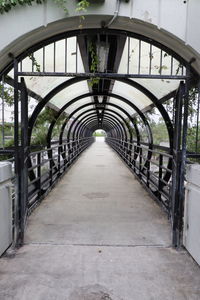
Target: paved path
<point x="98" y="236"/>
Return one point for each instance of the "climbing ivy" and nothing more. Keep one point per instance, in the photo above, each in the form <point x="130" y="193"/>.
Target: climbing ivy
<point x="82" y="5"/>
<point x="94" y="63"/>
<point x="62" y="4"/>
<point x="7" y="5"/>
<point x="35" y="63"/>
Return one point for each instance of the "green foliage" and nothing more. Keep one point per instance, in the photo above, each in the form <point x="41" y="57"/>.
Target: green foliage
<point x="191" y="140"/>
<point x="8" y="144"/>
<point x="34" y="61"/>
<point x="192" y="105"/>
<point x="62" y="4"/>
<point x="94" y="80"/>
<point x="7" y="5"/>
<point x="97" y="133"/>
<point x="39" y="136"/>
<point x="94" y="57"/>
<point x="94" y="63"/>
<point x="45" y="117"/>
<point x="7" y="93"/>
<point x="8" y="129"/>
<point x="159" y="132"/>
<point x="9" y="134"/>
<point x="42" y="124"/>
<point x="82" y="5"/>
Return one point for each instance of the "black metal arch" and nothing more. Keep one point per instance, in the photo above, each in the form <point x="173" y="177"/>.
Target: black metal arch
<point x="85" y="105"/>
<point x="93" y="31"/>
<point x="79" y="108"/>
<point x="108" y="119"/>
<point x="150" y="137"/>
<point x="121" y="131"/>
<point x="105" y="127"/>
<point x="156" y="102"/>
<point x="94" y="124"/>
<point x="109" y="123"/>
<point x="132" y="83"/>
<point x="119" y="125"/>
<point x="80" y="120"/>
<point x="46" y="99"/>
<point x="91" y="121"/>
<point x="69" y="82"/>
<point x="75" y="111"/>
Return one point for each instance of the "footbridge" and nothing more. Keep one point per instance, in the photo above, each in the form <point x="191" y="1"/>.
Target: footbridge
<point x="135" y="76"/>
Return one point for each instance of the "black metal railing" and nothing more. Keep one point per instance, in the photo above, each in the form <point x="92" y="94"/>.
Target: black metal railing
<point x="151" y="166"/>
<point x="46" y="167"/>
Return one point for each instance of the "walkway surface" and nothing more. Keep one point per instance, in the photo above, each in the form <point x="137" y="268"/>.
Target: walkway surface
<point x="98" y="236"/>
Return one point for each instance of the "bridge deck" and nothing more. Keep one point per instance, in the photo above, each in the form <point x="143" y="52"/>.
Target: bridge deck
<point x="98" y="235"/>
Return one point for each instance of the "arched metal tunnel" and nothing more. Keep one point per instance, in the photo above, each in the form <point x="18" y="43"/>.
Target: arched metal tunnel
<point x="101" y="79"/>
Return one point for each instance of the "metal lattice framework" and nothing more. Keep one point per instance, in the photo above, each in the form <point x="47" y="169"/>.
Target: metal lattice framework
<point x="130" y="75"/>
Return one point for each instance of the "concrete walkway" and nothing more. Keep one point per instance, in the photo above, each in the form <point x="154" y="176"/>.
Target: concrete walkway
<point x="99" y="236"/>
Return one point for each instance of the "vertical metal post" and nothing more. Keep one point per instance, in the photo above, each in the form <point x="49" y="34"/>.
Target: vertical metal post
<point x="160" y="175"/>
<point x="183" y="156"/>
<point x="17" y="156"/>
<point x="134" y="158"/>
<point x="140" y="162"/>
<point x="59" y="151"/>
<point x="23" y="201"/>
<point x="3" y="117"/>
<point x="197" y="122"/>
<point x="148" y="171"/>
<point x="39" y="174"/>
<point x="65" y="155"/>
<point x="178" y="165"/>
<point x="51" y="167"/>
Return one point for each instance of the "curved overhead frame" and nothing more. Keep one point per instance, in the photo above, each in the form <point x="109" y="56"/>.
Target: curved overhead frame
<point x="157" y="104"/>
<point x="86" y="105"/>
<point x="94" y="124"/>
<point x="79" y="108"/>
<point x="95" y="31"/>
<point x="80" y="123"/>
<point x="71" y="115"/>
<point x="108" y="119"/>
<point x="80" y="120"/>
<point x="77" y="79"/>
<point x="75" y="111"/>
<point x="93" y="120"/>
<point x="106" y="128"/>
<point x="132" y="83"/>
<point x="148" y="129"/>
<point x="46" y="99"/>
<point x="119" y="127"/>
